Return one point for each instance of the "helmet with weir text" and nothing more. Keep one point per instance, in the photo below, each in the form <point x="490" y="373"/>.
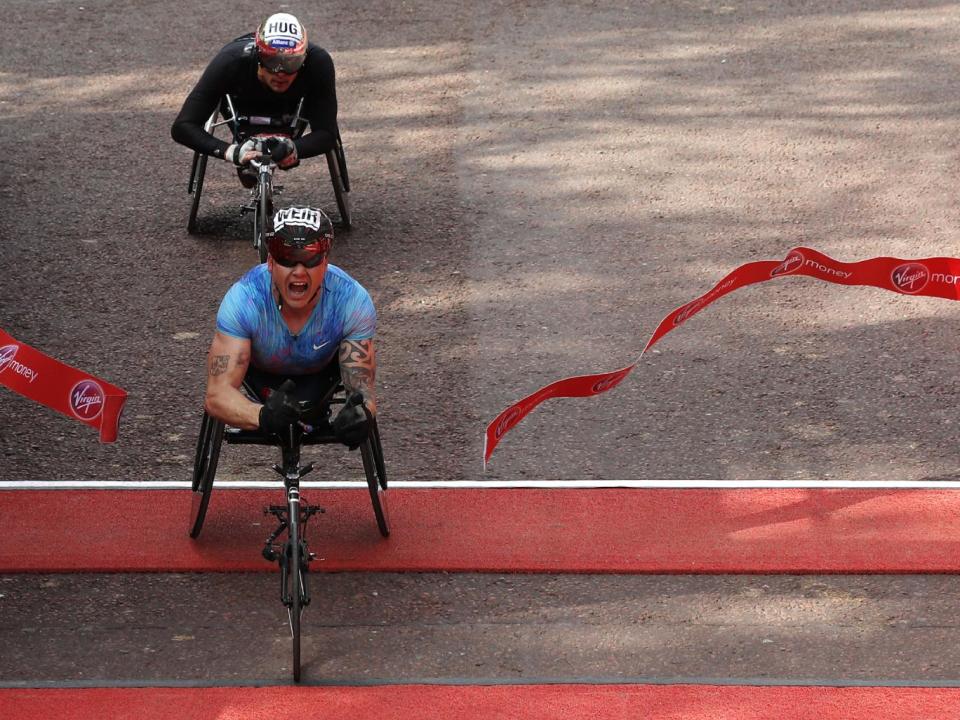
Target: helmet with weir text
<point x="300" y="235"/>
<point x="281" y="43"/>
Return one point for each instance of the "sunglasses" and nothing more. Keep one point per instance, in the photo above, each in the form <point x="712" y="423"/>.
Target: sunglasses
<point x="310" y="256"/>
<point x="281" y="64"/>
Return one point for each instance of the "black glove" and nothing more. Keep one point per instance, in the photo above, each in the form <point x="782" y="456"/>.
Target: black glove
<point x="351" y="425"/>
<point x="280" y="410"/>
<point x="282" y="151"/>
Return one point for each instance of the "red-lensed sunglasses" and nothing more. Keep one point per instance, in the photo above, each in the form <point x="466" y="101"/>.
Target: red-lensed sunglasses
<point x="292" y="255"/>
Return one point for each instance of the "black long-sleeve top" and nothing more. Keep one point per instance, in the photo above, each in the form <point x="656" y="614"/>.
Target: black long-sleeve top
<point x="233" y="71"/>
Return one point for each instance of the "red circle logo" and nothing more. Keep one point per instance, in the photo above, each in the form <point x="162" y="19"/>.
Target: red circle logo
<point x="507" y="421"/>
<point x="910" y="278"/>
<point x="86" y="400"/>
<point x="607" y="383"/>
<point x="7" y="354"/>
<point x="792" y="263"/>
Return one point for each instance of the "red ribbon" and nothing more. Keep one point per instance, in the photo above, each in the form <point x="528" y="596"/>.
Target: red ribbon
<point x="59" y="386"/>
<point x="929" y="277"/>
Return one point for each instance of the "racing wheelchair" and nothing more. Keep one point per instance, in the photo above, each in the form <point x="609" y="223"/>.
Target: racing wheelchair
<point x="292" y="554"/>
<point x="260" y="202"/>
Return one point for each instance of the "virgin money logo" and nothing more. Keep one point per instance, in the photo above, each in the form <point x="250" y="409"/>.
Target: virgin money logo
<point x="792" y="263"/>
<point x="607" y="383"/>
<point x="507" y="421"/>
<point x="7" y="354"/>
<point x="690" y="309"/>
<point x="694" y="306"/>
<point x="910" y="277"/>
<point x="86" y="400"/>
<point x="8" y="361"/>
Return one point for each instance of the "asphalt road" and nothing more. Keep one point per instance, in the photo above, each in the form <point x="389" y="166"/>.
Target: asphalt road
<point x="229" y="628"/>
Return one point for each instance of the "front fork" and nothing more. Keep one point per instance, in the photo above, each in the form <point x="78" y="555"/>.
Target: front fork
<point x="254" y="203"/>
<point x="275" y="553"/>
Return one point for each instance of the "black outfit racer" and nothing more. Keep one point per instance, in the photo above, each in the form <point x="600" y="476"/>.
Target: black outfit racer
<point x="233" y="71"/>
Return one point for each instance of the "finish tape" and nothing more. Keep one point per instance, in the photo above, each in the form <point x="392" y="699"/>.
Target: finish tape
<point x="929" y="277"/>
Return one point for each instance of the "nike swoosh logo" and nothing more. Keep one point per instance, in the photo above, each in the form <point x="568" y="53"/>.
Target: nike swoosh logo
<point x="317" y="347"/>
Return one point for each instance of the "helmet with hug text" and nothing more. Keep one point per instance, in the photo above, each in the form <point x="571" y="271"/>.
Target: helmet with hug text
<point x="281" y="43"/>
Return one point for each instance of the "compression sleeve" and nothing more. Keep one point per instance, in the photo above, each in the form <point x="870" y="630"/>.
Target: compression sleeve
<point x="360" y="317"/>
<point x="188" y="129"/>
<point x="234" y="316"/>
<point x="320" y="106"/>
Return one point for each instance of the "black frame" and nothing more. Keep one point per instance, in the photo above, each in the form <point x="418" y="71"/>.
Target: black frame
<point x="213" y="433"/>
<point x="336" y="164"/>
<point x="294" y="556"/>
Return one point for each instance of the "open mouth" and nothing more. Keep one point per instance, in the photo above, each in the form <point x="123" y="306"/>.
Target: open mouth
<point x="297" y="290"/>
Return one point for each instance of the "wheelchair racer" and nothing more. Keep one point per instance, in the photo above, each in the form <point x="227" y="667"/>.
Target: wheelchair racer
<point x="266" y="73"/>
<point x="284" y="327"/>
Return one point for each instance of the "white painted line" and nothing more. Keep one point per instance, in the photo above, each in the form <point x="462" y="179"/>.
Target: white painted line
<point x="497" y="484"/>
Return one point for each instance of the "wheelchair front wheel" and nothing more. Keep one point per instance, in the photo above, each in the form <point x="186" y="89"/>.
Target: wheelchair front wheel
<point x="263" y="218"/>
<point x="204" y="470"/>
<point x="295" y="572"/>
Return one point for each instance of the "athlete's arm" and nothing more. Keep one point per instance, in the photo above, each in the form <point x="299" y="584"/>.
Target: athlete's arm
<point x="227" y="364"/>
<point x="319" y="105"/>
<point x="358" y="369"/>
<point x="188" y="129"/>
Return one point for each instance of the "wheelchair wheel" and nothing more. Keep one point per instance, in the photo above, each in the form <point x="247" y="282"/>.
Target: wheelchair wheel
<point x="262" y="218"/>
<point x="204" y="470"/>
<point x="342" y="163"/>
<point x="376" y="483"/>
<point x="202" y="442"/>
<point x="337" y="176"/>
<point x="295" y="578"/>
<point x="197" y="172"/>
<point x="378" y="456"/>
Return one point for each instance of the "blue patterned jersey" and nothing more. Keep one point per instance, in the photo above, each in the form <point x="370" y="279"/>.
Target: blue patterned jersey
<point x="344" y="311"/>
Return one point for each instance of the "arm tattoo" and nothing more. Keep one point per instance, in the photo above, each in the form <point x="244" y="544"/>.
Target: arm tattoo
<point x="218" y="364"/>
<point x="358" y="366"/>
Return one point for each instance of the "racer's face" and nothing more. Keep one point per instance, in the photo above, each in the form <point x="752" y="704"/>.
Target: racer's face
<point x="297" y="285"/>
<point x="278" y="82"/>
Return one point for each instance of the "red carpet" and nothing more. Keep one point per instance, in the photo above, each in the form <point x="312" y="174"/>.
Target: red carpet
<point x="531" y="702"/>
<point x="625" y="531"/>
